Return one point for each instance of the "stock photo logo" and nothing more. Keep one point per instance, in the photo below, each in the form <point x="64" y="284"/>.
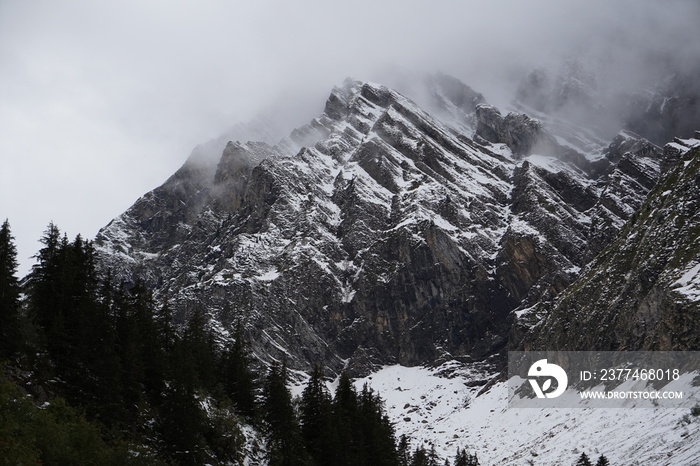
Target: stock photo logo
<point x="545" y="372"/>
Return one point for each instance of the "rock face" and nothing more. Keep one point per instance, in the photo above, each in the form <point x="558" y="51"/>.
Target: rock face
<point x="518" y="131"/>
<point x="380" y="233"/>
<point x="643" y="291"/>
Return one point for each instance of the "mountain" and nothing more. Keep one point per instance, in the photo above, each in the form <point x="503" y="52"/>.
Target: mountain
<point x="387" y="233"/>
<point x="380" y="233"/>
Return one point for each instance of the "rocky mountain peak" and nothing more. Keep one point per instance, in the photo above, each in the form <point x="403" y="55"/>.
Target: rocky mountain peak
<point x="380" y="232"/>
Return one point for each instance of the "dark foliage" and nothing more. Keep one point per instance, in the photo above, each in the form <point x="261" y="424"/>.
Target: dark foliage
<point x="583" y="460"/>
<point x="9" y="294"/>
<point x="132" y="382"/>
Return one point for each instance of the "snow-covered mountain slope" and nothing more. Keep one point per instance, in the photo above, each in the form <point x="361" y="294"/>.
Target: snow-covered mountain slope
<point x="448" y="407"/>
<point x="379" y="233"/>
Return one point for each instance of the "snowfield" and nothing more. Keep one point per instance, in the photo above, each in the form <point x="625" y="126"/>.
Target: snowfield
<point x="445" y="412"/>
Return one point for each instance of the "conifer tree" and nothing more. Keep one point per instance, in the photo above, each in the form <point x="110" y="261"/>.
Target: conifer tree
<point x="43" y="287"/>
<point x="62" y="296"/>
<point x="237" y="377"/>
<point x="420" y="457"/>
<point x="102" y="389"/>
<point x="10" y="340"/>
<point x="433" y="458"/>
<point x="200" y="342"/>
<point x="583" y="460"/>
<point x="150" y="340"/>
<point x="129" y="351"/>
<point x="181" y="420"/>
<point x="464" y="458"/>
<point x="403" y="451"/>
<point x="345" y="416"/>
<point x="378" y="442"/>
<point x="602" y="461"/>
<point x="317" y="426"/>
<point x="284" y="439"/>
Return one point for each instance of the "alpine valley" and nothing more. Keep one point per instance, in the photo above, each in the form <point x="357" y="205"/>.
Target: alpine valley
<point x="412" y="238"/>
<point x="392" y="251"/>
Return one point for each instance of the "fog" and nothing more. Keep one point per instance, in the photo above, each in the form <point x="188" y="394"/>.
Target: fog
<point x="101" y="101"/>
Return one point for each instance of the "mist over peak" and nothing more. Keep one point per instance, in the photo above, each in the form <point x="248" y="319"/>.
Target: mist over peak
<point x="155" y="81"/>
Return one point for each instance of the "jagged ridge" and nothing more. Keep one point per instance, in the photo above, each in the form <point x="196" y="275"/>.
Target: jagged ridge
<point x="378" y="234"/>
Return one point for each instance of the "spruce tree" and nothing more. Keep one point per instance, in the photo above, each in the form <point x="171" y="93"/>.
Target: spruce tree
<point x="43" y="288"/>
<point x="464" y="458"/>
<point x="602" y="461"/>
<point x="420" y="457"/>
<point x="403" y="451"/>
<point x="345" y="416"/>
<point x="583" y="460"/>
<point x="284" y="440"/>
<point x="181" y="420"/>
<point x="151" y="342"/>
<point x="63" y="298"/>
<point x="129" y="352"/>
<point x="238" y="379"/>
<point x="378" y="440"/>
<point x="317" y="426"/>
<point x="433" y="458"/>
<point x="200" y="342"/>
<point x="10" y="339"/>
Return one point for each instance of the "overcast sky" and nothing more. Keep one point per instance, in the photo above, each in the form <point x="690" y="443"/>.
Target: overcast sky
<point x="101" y="101"/>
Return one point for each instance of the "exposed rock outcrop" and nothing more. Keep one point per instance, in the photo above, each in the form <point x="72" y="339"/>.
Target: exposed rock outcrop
<point x="518" y="131"/>
<point x="642" y="292"/>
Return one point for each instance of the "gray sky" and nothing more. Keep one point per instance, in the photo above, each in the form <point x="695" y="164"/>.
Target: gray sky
<point x="101" y="101"/>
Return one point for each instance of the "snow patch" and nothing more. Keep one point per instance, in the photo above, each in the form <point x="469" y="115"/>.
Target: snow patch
<point x="269" y="276"/>
<point x="448" y="411"/>
<point x="689" y="283"/>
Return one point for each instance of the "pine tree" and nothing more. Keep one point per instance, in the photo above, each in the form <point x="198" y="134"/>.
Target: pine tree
<point x="129" y="352"/>
<point x="464" y="458"/>
<point x="284" y="439"/>
<point x="181" y="419"/>
<point x="10" y="340"/>
<point x="237" y="377"/>
<point x="102" y="389"/>
<point x="403" y="451"/>
<point x="43" y="288"/>
<point x="63" y="298"/>
<point x="433" y="458"/>
<point x="602" y="461"/>
<point x="200" y="342"/>
<point x="420" y="457"/>
<point x="378" y="440"/>
<point x="151" y="342"/>
<point x="345" y="416"/>
<point x="62" y="292"/>
<point x="317" y="426"/>
<point x="583" y="460"/>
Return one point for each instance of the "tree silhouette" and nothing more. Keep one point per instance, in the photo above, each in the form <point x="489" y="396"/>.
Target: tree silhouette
<point x="10" y="340"/>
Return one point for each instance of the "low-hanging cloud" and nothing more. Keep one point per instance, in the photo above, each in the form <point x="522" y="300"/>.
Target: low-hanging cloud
<point x="101" y="101"/>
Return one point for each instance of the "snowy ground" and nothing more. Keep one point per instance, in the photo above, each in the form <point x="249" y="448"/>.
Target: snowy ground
<point x="447" y="413"/>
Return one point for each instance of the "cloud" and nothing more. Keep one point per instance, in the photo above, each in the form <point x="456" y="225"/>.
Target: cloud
<point x="102" y="101"/>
